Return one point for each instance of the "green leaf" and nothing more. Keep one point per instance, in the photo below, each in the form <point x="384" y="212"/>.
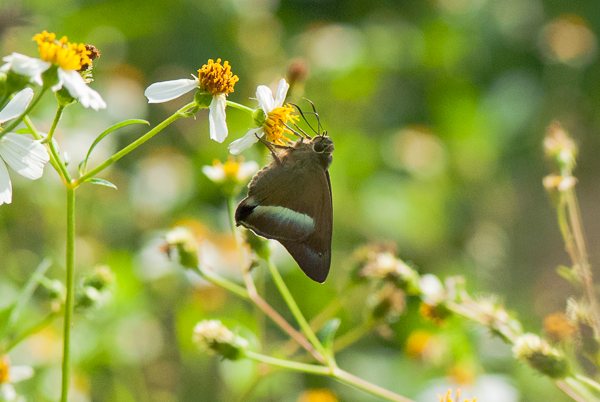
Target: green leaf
<point x="101" y="182"/>
<point x="111" y="129"/>
<point x="568" y="274"/>
<point x="26" y="293"/>
<point x="327" y="334"/>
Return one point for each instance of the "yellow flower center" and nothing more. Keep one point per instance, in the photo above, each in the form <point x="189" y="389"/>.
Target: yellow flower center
<point x="448" y="397"/>
<point x="217" y="78"/>
<point x="4" y="370"/>
<point x="66" y="55"/>
<point x="276" y="123"/>
<point x="231" y="168"/>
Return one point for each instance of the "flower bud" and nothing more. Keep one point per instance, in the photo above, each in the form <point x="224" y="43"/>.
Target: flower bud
<point x="182" y="247"/>
<point x="559" y="146"/>
<point x="388" y="304"/>
<point x="214" y="337"/>
<point x="540" y="355"/>
<point x="100" y="279"/>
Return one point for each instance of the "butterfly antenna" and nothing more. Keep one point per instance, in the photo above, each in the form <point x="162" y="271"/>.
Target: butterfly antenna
<point x="319" y="125"/>
<point x="297" y="131"/>
<point x="304" y="118"/>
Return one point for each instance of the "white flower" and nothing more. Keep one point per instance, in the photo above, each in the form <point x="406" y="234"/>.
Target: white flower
<point x="10" y="375"/>
<point x="214" y="78"/>
<point x="270" y="105"/>
<point x="23" y="154"/>
<point x="432" y="290"/>
<point x="232" y="170"/>
<point x="70" y="79"/>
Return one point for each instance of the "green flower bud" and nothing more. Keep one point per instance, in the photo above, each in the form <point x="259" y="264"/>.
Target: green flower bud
<point x="183" y="247"/>
<point x="214" y="337"/>
<point x="203" y="99"/>
<point x="541" y="356"/>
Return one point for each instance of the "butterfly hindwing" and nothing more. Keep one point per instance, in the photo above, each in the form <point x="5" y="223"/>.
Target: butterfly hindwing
<point x="290" y="201"/>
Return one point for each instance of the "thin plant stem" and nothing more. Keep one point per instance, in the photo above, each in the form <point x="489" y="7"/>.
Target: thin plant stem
<point x="278" y="319"/>
<point x="238" y="106"/>
<point x="295" y="310"/>
<point x="70" y="299"/>
<point x="288" y="364"/>
<point x="18" y="120"/>
<point x="135" y="144"/>
<point x="583" y="263"/>
<point x="354" y="335"/>
<point x="54" y="161"/>
<point x="57" y="116"/>
<point x="359" y="383"/>
<point x="333" y="372"/>
<point x="588" y="381"/>
<point x="35" y="328"/>
<point x="218" y="280"/>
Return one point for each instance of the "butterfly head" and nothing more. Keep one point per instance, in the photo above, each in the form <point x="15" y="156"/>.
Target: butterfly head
<point x="322" y="145"/>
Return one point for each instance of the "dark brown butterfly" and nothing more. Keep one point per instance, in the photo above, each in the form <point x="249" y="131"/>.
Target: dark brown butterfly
<point x="290" y="201"/>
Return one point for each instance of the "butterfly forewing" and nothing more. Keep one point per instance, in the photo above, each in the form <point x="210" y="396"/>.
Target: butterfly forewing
<point x="290" y="201"/>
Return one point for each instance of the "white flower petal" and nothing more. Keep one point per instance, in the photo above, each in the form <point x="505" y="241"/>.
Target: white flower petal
<point x="20" y="373"/>
<point x="249" y="139"/>
<point x="17" y="105"/>
<point x="24" y="154"/>
<point x="166" y="90"/>
<point x="281" y="93"/>
<point x="7" y="392"/>
<point x="216" y="118"/>
<point x="28" y="66"/>
<point x="264" y="95"/>
<point x="247" y="169"/>
<point x="79" y="90"/>
<point x="5" y="186"/>
<point x="214" y="173"/>
<point x="432" y="289"/>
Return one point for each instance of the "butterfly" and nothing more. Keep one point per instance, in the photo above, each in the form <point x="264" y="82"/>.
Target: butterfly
<point x="290" y="201"/>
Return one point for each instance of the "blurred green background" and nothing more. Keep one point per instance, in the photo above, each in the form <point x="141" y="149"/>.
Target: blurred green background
<point x="437" y="109"/>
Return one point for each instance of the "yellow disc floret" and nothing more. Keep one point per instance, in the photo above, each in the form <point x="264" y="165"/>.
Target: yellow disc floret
<point x="61" y="52"/>
<point x="4" y="370"/>
<point x="217" y="78"/>
<point x="276" y="124"/>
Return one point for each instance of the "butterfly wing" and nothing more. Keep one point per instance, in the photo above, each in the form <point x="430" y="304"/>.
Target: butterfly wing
<point x="291" y="202"/>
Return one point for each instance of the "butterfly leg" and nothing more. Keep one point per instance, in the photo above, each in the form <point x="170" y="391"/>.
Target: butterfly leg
<point x="270" y="148"/>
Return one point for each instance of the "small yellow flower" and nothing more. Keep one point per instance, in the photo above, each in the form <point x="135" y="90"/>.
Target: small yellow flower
<point x="72" y="61"/>
<point x="276" y="118"/>
<point x="4" y="370"/>
<point x="558" y="327"/>
<point x="66" y="55"/>
<point x="318" y="395"/>
<point x="448" y="397"/>
<point x="234" y="170"/>
<point x="214" y="78"/>
<point x="276" y="123"/>
<point x="217" y="78"/>
<point x="418" y="344"/>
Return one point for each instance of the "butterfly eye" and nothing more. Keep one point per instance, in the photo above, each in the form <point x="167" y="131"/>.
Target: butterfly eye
<point x="319" y="146"/>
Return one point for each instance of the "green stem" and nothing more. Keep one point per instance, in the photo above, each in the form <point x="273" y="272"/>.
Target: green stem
<point x="358" y="383"/>
<point x="288" y="364"/>
<point x="588" y="381"/>
<point x="224" y="283"/>
<point x="70" y="288"/>
<point x="295" y="310"/>
<point x="239" y="106"/>
<point x="57" y="116"/>
<point x="353" y="335"/>
<point x="18" y="120"/>
<point x="334" y="372"/>
<point x="35" y="328"/>
<point x="131" y="147"/>
<point x="54" y="161"/>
